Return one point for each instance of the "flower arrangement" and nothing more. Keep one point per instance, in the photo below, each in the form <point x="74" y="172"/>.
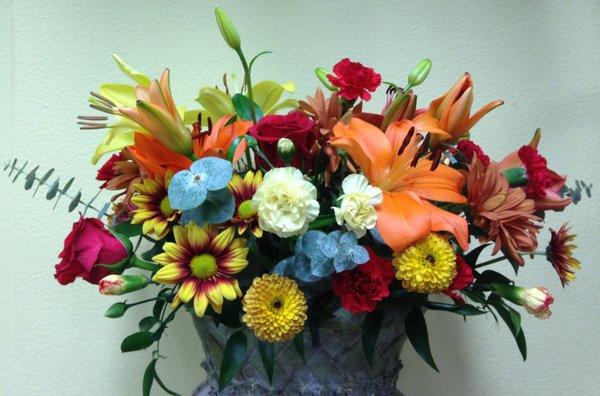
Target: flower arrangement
<point x="272" y="215"/>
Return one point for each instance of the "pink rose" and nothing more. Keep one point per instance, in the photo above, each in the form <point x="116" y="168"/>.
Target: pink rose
<point x="88" y="244"/>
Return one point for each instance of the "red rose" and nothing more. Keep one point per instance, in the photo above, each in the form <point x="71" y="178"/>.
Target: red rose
<point x="354" y="80"/>
<point x="87" y="245"/>
<point x="296" y="126"/>
<point x="361" y="288"/>
<point x="464" y="277"/>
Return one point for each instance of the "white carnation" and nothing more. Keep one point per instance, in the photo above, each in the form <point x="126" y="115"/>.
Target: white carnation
<point x="285" y="202"/>
<point x="357" y="207"/>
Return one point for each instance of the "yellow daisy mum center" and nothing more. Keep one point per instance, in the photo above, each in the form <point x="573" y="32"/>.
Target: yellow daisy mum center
<point x="428" y="266"/>
<point x="275" y="308"/>
<point x="165" y="207"/>
<point x="246" y="210"/>
<point x="203" y="266"/>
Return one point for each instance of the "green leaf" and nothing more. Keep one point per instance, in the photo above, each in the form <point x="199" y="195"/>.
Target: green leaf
<point x="370" y="332"/>
<point x="128" y="229"/>
<point x="473" y="255"/>
<point x="241" y="104"/>
<point x="490" y="276"/>
<point x="512" y="318"/>
<point x="163" y="386"/>
<point x="30" y="178"/>
<point x="233" y="357"/>
<point x="216" y="103"/>
<point x="254" y="60"/>
<point x="299" y="345"/>
<point x="416" y="330"/>
<point x="267" y="355"/>
<point x="137" y="341"/>
<point x="464" y="309"/>
<point x="53" y="190"/>
<point x="75" y="202"/>
<point x="68" y="185"/>
<point x="148" y="378"/>
<point x="229" y="315"/>
<point x="147" y="323"/>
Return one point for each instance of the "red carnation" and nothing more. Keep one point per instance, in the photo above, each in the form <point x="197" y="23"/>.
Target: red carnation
<point x="468" y="149"/>
<point x="361" y="288"/>
<point x="539" y="177"/>
<point x="354" y="80"/>
<point x="464" y="277"/>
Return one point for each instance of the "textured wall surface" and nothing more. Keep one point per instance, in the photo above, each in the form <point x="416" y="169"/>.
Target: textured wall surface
<point x="541" y="57"/>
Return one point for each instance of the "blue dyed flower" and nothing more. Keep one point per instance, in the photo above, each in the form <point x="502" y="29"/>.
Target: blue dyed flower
<point x="318" y="255"/>
<point x="189" y="188"/>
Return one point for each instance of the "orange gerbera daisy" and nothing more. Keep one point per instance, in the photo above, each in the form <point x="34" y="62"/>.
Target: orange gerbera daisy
<point x="245" y="215"/>
<point x="388" y="160"/>
<point x="154" y="210"/>
<point x="203" y="261"/>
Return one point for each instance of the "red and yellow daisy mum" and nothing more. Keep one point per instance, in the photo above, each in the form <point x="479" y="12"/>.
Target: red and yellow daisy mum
<point x="203" y="261"/>
<point x="560" y="254"/>
<point x="153" y="209"/>
<point x="245" y="216"/>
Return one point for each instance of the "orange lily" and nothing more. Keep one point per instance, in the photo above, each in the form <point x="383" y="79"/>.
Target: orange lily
<point x="453" y="108"/>
<point x="155" y="111"/>
<point x="154" y="157"/>
<point x="405" y="216"/>
<point x="216" y="144"/>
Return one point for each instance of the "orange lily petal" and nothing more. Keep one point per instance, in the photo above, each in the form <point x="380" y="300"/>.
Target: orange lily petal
<point x="402" y="220"/>
<point x="468" y="124"/>
<point x="442" y="184"/>
<point x="442" y="220"/>
<point x="156" y="158"/>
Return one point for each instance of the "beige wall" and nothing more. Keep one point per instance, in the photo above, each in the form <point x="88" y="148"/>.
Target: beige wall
<point x="541" y="57"/>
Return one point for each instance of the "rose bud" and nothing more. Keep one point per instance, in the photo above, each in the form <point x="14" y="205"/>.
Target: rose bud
<point x="90" y="252"/>
<point x="115" y="285"/>
<point x="286" y="149"/>
<point x="116" y="310"/>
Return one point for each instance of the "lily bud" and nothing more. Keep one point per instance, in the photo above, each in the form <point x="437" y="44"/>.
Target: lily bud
<point x="321" y="74"/>
<point x="535" y="300"/>
<point x="286" y="149"/>
<point x="116" y="310"/>
<point x="419" y="73"/>
<point x="115" y="285"/>
<point x="228" y="30"/>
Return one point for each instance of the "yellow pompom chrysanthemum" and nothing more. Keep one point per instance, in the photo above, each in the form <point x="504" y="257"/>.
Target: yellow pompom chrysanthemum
<point x="428" y="266"/>
<point x="275" y="308"/>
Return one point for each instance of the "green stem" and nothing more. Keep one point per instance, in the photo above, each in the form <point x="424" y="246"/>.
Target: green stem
<point x="138" y="262"/>
<point x="321" y="222"/>
<point x="142" y="302"/>
<point x="498" y="259"/>
<point x="248" y="81"/>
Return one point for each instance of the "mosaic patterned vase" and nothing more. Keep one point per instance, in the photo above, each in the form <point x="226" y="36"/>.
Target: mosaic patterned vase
<point x="336" y="367"/>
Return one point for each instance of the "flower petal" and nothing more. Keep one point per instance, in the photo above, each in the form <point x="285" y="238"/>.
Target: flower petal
<point x="186" y="191"/>
<point x="170" y="274"/>
<point x="200" y="303"/>
<point x="188" y="289"/>
<point x="215" y="173"/>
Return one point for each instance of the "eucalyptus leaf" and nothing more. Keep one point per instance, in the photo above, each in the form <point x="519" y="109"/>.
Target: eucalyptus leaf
<point x="218" y="207"/>
<point x="75" y="202"/>
<point x="52" y="190"/>
<point x="234" y="355"/>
